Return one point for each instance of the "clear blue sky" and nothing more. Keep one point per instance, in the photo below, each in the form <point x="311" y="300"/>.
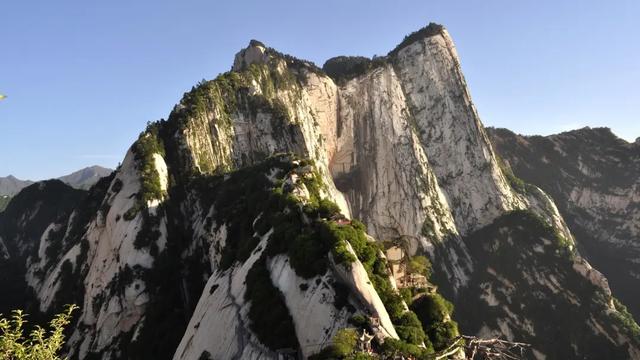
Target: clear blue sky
<point x="83" y="77"/>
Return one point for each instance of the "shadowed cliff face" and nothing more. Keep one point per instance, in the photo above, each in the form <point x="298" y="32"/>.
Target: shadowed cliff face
<point x="594" y="177"/>
<point x="208" y="235"/>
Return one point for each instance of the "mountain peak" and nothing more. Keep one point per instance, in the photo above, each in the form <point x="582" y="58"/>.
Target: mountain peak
<point x="255" y="53"/>
<point x="85" y="178"/>
<point x="430" y="30"/>
<point x="256" y="43"/>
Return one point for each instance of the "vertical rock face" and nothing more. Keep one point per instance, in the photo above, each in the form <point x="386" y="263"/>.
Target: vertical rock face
<point x="210" y="242"/>
<point x="594" y="178"/>
<point x="381" y="164"/>
<point x="451" y="133"/>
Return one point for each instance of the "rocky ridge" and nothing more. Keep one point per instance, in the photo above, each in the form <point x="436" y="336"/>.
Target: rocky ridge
<point x="594" y="177"/>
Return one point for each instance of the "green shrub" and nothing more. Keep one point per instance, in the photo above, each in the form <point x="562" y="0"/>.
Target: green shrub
<point x="394" y="347"/>
<point x="420" y="265"/>
<point x="516" y="183"/>
<point x="132" y="212"/>
<point x="327" y="208"/>
<point x="430" y="30"/>
<point x="334" y="235"/>
<point x="343" y="346"/>
<point x="359" y="321"/>
<point x="442" y="334"/>
<point x="407" y="295"/>
<point x="148" y="144"/>
<point x="625" y="318"/>
<point x="432" y="308"/>
<point x="308" y="255"/>
<point x="4" y="201"/>
<point x="344" y="342"/>
<point x="149" y="231"/>
<point x="434" y="313"/>
<point x="39" y="344"/>
<point x="344" y="68"/>
<point x="268" y="312"/>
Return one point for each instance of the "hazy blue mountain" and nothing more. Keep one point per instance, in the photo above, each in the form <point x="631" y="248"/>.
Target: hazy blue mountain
<point x="81" y="179"/>
<point x="11" y="185"/>
<point x="85" y="178"/>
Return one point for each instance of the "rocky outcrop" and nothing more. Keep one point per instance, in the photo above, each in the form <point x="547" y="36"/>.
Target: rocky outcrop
<point x="531" y="283"/>
<point x="451" y="133"/>
<point x="594" y="178"/>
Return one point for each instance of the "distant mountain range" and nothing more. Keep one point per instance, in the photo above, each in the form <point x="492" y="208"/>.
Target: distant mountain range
<point x="81" y="179"/>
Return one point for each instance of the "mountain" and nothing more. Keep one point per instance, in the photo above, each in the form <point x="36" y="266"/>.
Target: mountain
<point x="10" y="185"/>
<point x="81" y="179"/>
<point x="85" y="178"/>
<point x="265" y="214"/>
<point x="594" y="177"/>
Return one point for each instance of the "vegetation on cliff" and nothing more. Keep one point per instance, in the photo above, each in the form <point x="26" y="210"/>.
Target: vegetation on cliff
<point x="432" y="29"/>
<point x="344" y="68"/>
<point x="40" y="343"/>
<point x="525" y="252"/>
<point x="4" y="201"/>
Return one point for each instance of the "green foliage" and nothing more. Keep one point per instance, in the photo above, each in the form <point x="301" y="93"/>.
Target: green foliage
<point x="327" y="208"/>
<point x="269" y="315"/>
<point x="307" y="255"/>
<point x="117" y="186"/>
<point x="132" y="212"/>
<point x="4" y="201"/>
<point x="343" y="346"/>
<point x="337" y="236"/>
<point x="344" y="68"/>
<point x="55" y="202"/>
<point x="430" y="30"/>
<point x="393" y="348"/>
<point x="299" y="229"/>
<point x="39" y="344"/>
<point x="244" y="195"/>
<point x="419" y="265"/>
<point x="149" y="232"/>
<point x="516" y="183"/>
<point x="148" y="144"/>
<point x="520" y="246"/>
<point x="295" y="64"/>
<point x="407" y="295"/>
<point x="427" y="228"/>
<point x="344" y="342"/>
<point x="434" y="313"/>
<point x="432" y="308"/>
<point x="409" y="328"/>
<point x="360" y="321"/>
<point x="626" y="319"/>
<point x="538" y="227"/>
<point x="406" y="323"/>
<point x="55" y="240"/>
<point x="442" y="334"/>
